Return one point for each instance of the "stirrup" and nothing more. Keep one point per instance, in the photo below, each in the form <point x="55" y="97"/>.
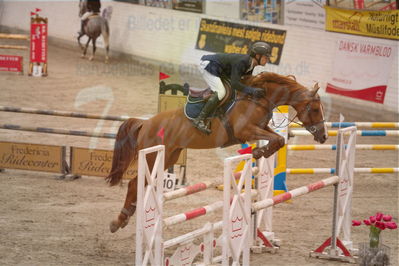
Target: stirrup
<point x="203" y="128"/>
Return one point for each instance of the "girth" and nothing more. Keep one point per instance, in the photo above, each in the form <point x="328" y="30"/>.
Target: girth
<point x="231" y="139"/>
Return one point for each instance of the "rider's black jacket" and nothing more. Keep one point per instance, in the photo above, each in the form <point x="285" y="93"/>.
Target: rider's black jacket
<point x="230" y="67"/>
<point x="93" y="6"/>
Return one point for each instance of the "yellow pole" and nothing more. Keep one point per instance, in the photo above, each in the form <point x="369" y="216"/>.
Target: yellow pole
<point x="280" y="119"/>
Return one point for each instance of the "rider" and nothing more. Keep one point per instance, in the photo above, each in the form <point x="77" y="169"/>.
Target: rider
<point x="230" y="67"/>
<point x="93" y="7"/>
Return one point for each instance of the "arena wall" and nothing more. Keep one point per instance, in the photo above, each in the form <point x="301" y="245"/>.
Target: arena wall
<point x="169" y="36"/>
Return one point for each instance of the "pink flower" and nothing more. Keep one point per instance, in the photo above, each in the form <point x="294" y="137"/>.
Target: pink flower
<point x="367" y="222"/>
<point x="380" y="225"/>
<point x="391" y="225"/>
<point x="372" y="219"/>
<point x="387" y="218"/>
<point x="378" y="216"/>
<point x="377" y="224"/>
<point x="356" y="223"/>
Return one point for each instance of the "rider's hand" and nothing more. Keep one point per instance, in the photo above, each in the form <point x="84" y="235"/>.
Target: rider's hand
<point x="254" y="92"/>
<point x="258" y="93"/>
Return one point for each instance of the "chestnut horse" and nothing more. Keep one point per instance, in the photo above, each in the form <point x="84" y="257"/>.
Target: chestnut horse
<point x="248" y="119"/>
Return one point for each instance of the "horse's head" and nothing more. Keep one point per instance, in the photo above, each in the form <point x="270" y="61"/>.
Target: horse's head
<point x="82" y="7"/>
<point x="310" y="112"/>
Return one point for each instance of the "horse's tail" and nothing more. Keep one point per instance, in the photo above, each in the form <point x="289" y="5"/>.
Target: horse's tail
<point x="105" y="34"/>
<point x="107" y="13"/>
<point x="125" y="149"/>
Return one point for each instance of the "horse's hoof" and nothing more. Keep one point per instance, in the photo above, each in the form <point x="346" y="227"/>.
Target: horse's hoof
<point x="123" y="224"/>
<point x="267" y="153"/>
<point x="114" y="226"/>
<point x="91" y="58"/>
<point x="82" y="56"/>
<point x="257" y="153"/>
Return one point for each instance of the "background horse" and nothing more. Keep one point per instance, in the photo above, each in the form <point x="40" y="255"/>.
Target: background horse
<point x="248" y="120"/>
<point x="95" y="26"/>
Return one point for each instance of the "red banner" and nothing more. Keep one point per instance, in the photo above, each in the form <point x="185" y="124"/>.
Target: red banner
<point x="358" y="4"/>
<point x="38" y="43"/>
<point x="11" y="63"/>
<point x="374" y="94"/>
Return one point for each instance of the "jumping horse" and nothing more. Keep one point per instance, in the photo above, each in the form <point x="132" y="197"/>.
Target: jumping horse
<point x="96" y="25"/>
<point x="248" y="120"/>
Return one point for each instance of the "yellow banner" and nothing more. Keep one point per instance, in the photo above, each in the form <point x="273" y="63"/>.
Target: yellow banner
<point x="34" y="157"/>
<point x="169" y="102"/>
<point x="95" y="163"/>
<point x="380" y="24"/>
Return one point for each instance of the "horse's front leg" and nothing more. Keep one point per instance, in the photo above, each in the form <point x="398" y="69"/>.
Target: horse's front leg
<point x="275" y="141"/>
<point x="128" y="209"/>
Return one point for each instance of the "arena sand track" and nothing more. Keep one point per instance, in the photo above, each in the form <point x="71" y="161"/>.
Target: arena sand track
<point x="46" y="221"/>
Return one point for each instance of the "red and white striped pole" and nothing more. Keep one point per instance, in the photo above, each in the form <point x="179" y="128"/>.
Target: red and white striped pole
<point x="182" y="217"/>
<point x="201" y="211"/>
<point x="187" y="191"/>
<point x="294" y="193"/>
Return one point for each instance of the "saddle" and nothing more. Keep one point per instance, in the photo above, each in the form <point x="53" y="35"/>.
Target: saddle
<point x="197" y="98"/>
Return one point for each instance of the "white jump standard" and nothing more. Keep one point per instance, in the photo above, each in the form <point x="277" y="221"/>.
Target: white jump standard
<point x="241" y="231"/>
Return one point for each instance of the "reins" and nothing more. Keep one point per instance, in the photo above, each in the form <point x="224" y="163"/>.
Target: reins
<point x="311" y="128"/>
<point x="269" y="110"/>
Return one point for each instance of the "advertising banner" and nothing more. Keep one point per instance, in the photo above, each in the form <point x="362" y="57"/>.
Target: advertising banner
<point x="361" y="69"/>
<point x="38" y="43"/>
<point x="94" y="162"/>
<point x="11" y="63"/>
<point x="188" y="5"/>
<point x="34" y="157"/>
<point x="305" y="13"/>
<point x="380" y="24"/>
<point x="269" y="11"/>
<point x="157" y="3"/>
<point x="225" y="37"/>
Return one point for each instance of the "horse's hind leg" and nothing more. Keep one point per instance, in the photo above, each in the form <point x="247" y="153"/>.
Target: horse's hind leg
<point x="129" y="208"/>
<point x="106" y="41"/>
<point x="80" y="45"/>
<point x="85" y="49"/>
<point x="94" y="49"/>
<point x="107" y="52"/>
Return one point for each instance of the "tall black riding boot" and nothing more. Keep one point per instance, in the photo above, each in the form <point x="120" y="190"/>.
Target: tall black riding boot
<point x="208" y="108"/>
<point x="82" y="28"/>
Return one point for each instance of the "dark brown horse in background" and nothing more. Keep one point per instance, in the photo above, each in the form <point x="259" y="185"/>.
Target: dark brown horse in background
<point x="249" y="119"/>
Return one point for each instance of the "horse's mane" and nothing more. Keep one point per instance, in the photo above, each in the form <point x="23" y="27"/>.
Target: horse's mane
<point x="263" y="78"/>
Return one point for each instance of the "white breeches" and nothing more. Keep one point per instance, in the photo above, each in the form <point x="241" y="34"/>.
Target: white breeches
<point x="86" y="15"/>
<point x="214" y="83"/>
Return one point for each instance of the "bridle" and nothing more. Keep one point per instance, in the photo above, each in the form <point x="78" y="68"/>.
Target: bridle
<point x="312" y="128"/>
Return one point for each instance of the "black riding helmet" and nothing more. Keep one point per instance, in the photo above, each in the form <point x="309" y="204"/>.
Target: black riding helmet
<point x="261" y="48"/>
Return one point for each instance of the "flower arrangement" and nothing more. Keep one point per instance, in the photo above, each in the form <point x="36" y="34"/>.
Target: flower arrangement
<point x="377" y="223"/>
